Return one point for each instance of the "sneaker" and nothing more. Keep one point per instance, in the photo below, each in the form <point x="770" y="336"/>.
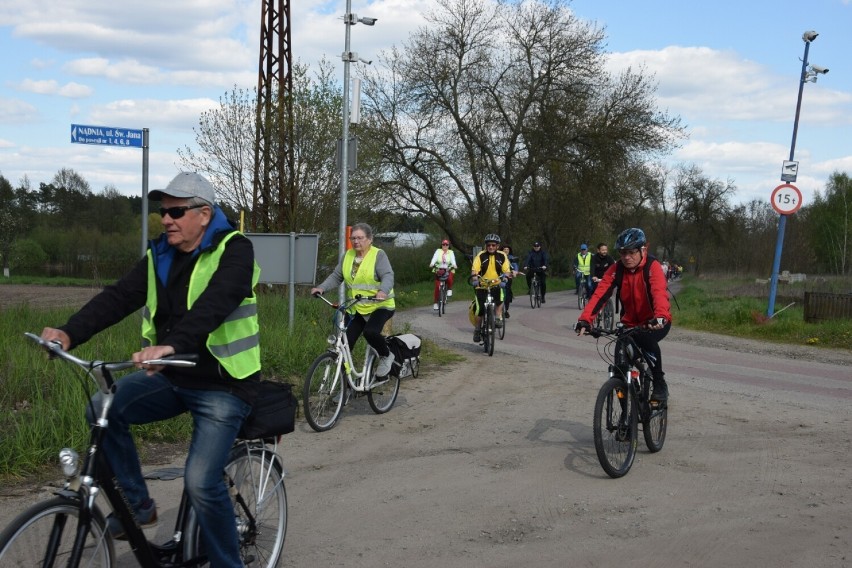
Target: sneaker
<point x="542" y="299"/>
<point x="499" y="323"/>
<point x="449" y="293"/>
<point x="506" y="314"/>
<point x="476" y="336"/>
<point x="434" y="306"/>
<point x="385" y="365"/>
<point x="145" y="516"/>
<point x="661" y="390"/>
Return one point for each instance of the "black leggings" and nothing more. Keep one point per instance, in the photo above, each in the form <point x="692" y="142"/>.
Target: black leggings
<point x="649" y="341"/>
<point x="371" y="326"/>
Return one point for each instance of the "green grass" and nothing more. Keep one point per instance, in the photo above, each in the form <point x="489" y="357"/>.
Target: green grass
<point x="738" y="306"/>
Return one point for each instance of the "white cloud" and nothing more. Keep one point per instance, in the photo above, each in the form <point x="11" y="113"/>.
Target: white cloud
<point x="15" y="111"/>
<point x="6" y="144"/>
<point x="175" y="115"/>
<point x="51" y="87"/>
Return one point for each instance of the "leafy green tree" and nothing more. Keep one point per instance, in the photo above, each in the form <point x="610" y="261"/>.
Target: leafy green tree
<point x="829" y="223"/>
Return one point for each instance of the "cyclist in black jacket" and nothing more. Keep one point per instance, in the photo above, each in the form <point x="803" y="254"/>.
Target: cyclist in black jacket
<point x="537" y="261"/>
<point x="600" y="262"/>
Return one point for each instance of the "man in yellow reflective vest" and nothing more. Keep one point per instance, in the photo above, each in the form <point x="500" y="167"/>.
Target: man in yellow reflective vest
<point x="195" y="287"/>
<point x="583" y="268"/>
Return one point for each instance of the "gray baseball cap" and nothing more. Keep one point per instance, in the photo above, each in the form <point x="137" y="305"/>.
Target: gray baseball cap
<point x="186" y="185"/>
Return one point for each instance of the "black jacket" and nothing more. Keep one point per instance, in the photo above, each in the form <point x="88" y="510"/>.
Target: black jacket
<point x="184" y="329"/>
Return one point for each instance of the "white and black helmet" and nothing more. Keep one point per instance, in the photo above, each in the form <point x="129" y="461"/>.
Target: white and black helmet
<point x="492" y="238"/>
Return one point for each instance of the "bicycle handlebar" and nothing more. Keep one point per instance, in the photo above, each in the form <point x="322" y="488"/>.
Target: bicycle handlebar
<point x="101" y="371"/>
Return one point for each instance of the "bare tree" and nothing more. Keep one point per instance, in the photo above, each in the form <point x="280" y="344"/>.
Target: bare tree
<point x="494" y="108"/>
<point x="706" y="206"/>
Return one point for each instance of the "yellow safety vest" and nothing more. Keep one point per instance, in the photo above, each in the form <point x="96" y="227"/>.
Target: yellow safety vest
<point x="235" y="343"/>
<point x="584" y="264"/>
<point x="364" y="282"/>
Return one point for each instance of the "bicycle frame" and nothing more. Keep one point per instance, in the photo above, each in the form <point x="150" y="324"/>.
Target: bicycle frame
<point x="356" y="379"/>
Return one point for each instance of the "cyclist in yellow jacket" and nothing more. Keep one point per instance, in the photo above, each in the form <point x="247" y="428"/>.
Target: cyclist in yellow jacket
<point x="490" y="264"/>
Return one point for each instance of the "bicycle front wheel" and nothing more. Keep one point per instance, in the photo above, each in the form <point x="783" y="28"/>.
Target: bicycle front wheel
<point x="581" y="296"/>
<point x="609" y="314"/>
<point x="259" y="498"/>
<point x="489" y="331"/>
<point x="324" y="392"/>
<point x="501" y="331"/>
<point x="615" y="427"/>
<point x="43" y="535"/>
<point x="533" y="294"/>
<point x="442" y="306"/>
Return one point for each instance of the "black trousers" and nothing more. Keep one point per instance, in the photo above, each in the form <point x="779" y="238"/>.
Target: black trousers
<point x="371" y="327"/>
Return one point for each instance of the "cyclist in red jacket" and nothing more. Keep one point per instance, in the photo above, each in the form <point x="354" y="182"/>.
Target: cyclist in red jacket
<point x="643" y="297"/>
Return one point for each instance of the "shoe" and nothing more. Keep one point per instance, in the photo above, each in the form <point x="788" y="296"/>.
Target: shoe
<point x="146" y="517"/>
<point x="434" y="306"/>
<point x="542" y="299"/>
<point x="476" y="336"/>
<point x="506" y="314"/>
<point x="385" y="365"/>
<point x="661" y="390"/>
<point x="499" y="323"/>
<point x="449" y="293"/>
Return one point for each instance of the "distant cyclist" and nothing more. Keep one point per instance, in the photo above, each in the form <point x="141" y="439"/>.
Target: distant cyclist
<point x="600" y="262"/>
<point x="644" y="300"/>
<point x="490" y="264"/>
<point x="443" y="263"/>
<point x="513" y="269"/>
<point x="583" y="268"/>
<point x="537" y="261"/>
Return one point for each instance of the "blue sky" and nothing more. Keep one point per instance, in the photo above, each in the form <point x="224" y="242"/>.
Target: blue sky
<point x="729" y="69"/>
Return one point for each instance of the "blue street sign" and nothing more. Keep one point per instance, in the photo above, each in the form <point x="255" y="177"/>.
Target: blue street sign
<point x="108" y="135"/>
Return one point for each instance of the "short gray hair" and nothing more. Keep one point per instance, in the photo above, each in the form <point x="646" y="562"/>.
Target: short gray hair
<point x="367" y="229"/>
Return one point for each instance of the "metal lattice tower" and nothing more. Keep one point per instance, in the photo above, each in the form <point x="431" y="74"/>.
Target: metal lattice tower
<point x="274" y="192"/>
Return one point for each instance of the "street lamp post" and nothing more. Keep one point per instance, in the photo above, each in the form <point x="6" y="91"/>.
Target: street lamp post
<point x="806" y="75"/>
<point x="349" y="20"/>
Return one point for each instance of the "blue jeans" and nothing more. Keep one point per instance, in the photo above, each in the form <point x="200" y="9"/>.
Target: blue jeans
<point x="217" y="417"/>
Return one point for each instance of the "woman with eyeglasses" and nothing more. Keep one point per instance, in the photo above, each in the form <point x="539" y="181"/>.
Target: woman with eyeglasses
<point x="366" y="271"/>
<point x="443" y="263"/>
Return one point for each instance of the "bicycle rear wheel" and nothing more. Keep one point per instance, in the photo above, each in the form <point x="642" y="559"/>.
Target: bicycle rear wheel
<point x="324" y="392"/>
<point x="383" y="392"/>
<point x="256" y="483"/>
<point x="615" y="427"/>
<point x="43" y="535"/>
<point x="655" y="418"/>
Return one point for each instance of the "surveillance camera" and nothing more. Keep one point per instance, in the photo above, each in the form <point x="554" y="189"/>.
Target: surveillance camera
<point x="818" y="69"/>
<point x="368" y="21"/>
<point x="809" y="36"/>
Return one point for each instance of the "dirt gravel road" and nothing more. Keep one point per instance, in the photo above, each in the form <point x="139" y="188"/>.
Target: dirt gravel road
<point x="491" y="462"/>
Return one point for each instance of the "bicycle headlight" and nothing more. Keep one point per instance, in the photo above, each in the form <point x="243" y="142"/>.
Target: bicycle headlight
<point x="331" y="339"/>
<point x="70" y="462"/>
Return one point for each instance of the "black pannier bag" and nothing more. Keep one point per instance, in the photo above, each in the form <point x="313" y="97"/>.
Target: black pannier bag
<point x="273" y="412"/>
<point x="406" y="352"/>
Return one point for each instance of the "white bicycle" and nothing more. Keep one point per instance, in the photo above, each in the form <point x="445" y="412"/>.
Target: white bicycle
<point x="332" y="378"/>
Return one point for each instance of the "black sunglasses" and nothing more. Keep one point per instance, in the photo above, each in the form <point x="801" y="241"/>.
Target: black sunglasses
<point x="177" y="212"/>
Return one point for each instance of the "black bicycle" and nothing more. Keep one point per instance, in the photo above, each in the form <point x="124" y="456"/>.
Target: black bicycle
<point x="582" y="291"/>
<point x="535" y="289"/>
<point x="71" y="530"/>
<point x="624" y="402"/>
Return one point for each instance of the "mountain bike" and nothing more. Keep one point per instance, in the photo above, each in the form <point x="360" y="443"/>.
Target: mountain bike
<point x="535" y="289"/>
<point x="624" y="402"/>
<point x="442" y="275"/>
<point x="71" y="530"/>
<point x="332" y="378"/>
<point x="488" y="321"/>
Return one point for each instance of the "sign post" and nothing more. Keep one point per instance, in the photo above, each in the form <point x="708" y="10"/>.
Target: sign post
<point x="786" y="199"/>
<point x="122" y="137"/>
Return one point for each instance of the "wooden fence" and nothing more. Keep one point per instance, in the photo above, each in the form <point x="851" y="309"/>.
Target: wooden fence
<point x="821" y="306"/>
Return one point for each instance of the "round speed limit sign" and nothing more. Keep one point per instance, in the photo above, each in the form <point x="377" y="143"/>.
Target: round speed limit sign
<point x="786" y="199"/>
